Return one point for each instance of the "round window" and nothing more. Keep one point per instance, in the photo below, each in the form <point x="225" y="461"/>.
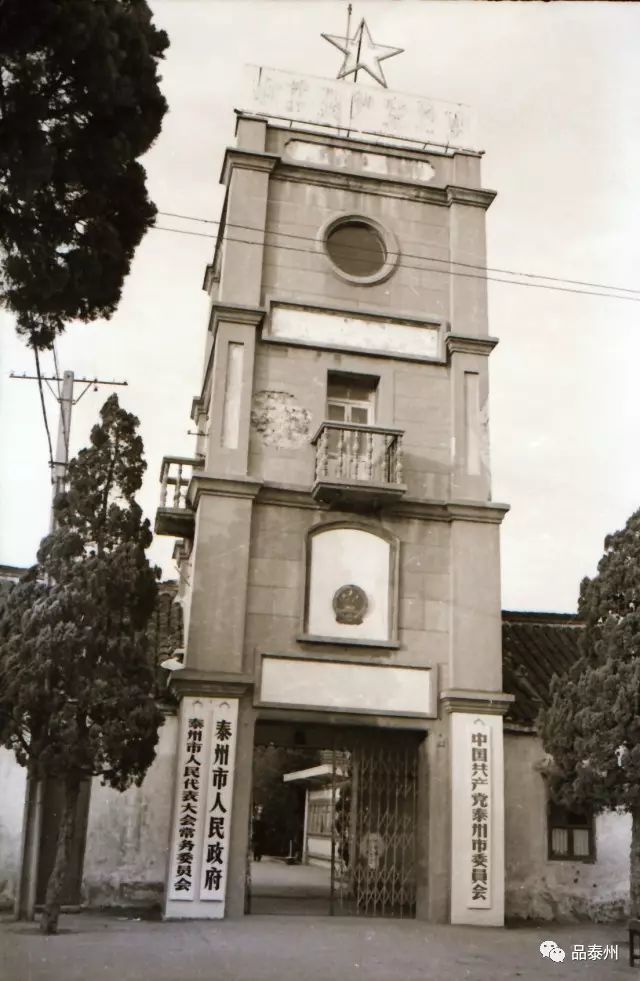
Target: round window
<point x="356" y="249"/>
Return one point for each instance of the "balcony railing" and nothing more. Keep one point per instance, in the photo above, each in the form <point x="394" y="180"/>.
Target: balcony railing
<point x="357" y="465"/>
<point x="174" y="516"/>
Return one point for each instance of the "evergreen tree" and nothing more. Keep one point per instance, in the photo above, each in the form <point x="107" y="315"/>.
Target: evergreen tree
<point x="592" y="726"/>
<point x="76" y="675"/>
<point x="79" y="104"/>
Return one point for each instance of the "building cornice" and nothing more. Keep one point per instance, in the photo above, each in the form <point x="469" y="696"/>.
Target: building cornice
<point x="210" y="684"/>
<point x="467" y="344"/>
<point x="473" y="701"/>
<point x="362" y="140"/>
<point x="221" y="486"/>
<point x="298" y="496"/>
<point x="477" y="197"/>
<point x="236" y="313"/>
<point x="236" y="158"/>
<point x="486" y="512"/>
<point x="197" y="407"/>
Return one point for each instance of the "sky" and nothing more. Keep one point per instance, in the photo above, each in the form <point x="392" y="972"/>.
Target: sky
<point x="555" y="88"/>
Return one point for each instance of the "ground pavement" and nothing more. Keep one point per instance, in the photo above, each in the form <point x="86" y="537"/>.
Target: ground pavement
<point x="94" y="947"/>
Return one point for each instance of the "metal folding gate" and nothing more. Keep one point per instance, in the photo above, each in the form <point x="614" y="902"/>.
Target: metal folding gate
<point x="373" y="843"/>
<point x="372" y="782"/>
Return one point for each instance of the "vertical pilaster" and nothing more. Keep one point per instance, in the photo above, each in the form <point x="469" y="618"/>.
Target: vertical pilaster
<point x="232" y="390"/>
<point x="220" y="570"/>
<point x="239" y="845"/>
<point x="469" y="381"/>
<point x="475" y="622"/>
<point x="467" y="248"/>
<point x="246" y="175"/>
<point x="433" y="827"/>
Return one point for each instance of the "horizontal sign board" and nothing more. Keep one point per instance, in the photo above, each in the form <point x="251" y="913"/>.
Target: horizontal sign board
<point x="364" y="109"/>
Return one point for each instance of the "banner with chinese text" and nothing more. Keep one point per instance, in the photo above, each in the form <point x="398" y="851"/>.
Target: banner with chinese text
<point x="201" y="831"/>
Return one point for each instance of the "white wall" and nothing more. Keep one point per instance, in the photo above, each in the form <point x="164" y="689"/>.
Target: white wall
<point x="128" y="834"/>
<point x="12" y="790"/>
<point x="543" y="889"/>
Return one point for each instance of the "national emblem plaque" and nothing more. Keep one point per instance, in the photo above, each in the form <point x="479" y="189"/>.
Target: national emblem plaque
<point x="350" y="604"/>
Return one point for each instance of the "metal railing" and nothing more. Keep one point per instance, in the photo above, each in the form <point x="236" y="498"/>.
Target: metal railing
<point x="350" y="453"/>
<point x="175" y="474"/>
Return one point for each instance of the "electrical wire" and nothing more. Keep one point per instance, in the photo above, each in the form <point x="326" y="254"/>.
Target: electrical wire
<point x="421" y="268"/>
<point x="57" y="370"/>
<point x="44" y="408"/>
<point x="406" y="255"/>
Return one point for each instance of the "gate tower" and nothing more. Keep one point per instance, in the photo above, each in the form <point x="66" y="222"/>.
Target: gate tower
<point x="338" y="545"/>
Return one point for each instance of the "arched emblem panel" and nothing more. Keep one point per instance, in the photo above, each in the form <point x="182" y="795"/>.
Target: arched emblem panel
<point x="351" y="583"/>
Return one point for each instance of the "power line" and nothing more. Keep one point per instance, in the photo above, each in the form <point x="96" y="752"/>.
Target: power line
<point x="55" y="365"/>
<point x="43" y="406"/>
<point x="406" y="255"/>
<point x="442" y="272"/>
<point x="66" y="402"/>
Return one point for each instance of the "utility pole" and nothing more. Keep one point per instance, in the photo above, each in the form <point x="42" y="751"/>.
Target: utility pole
<point x="34" y="796"/>
<point x="59" y="474"/>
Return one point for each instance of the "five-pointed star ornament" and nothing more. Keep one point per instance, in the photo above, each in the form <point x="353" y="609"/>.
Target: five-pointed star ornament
<point x="361" y="52"/>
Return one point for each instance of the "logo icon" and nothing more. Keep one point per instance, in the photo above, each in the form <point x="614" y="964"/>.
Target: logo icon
<point x="350" y="604"/>
<point x="550" y="949"/>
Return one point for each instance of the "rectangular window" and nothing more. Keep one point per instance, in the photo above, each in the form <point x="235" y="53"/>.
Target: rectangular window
<point x="319" y="819"/>
<point x="571" y="834"/>
<point x="351" y="398"/>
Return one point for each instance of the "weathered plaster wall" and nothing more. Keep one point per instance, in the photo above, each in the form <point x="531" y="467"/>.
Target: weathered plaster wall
<point x="289" y="403"/>
<point x="128" y="834"/>
<point x="540" y="889"/>
<point x="13" y="784"/>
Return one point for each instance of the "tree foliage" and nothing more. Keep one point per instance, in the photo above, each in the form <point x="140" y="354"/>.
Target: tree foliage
<point x="79" y="104"/>
<point x="76" y="677"/>
<point x="592" y="726"/>
<point x="282" y="803"/>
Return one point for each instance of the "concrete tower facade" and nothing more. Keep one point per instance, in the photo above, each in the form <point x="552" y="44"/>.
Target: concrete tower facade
<point x="338" y="545"/>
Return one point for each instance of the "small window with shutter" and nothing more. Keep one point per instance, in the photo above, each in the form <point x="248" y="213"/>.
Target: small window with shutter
<point x="571" y="834"/>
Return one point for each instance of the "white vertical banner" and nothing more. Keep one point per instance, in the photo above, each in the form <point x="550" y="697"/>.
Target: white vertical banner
<point x="190" y="795"/>
<point x="217" y="825"/>
<point x="477" y="819"/>
<point x="201" y="831"/>
<point x="480" y="871"/>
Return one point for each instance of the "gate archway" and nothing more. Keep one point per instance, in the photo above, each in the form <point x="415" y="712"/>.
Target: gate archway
<point x="356" y="848"/>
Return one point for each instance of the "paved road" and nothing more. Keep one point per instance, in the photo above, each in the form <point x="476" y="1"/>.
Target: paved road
<point x="273" y="877"/>
<point x="93" y="947"/>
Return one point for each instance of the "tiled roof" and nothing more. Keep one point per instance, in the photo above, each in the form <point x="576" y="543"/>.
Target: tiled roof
<point x="535" y="646"/>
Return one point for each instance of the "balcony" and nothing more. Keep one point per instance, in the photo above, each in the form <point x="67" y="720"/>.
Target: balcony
<point x="174" y="516"/>
<point x="357" y="467"/>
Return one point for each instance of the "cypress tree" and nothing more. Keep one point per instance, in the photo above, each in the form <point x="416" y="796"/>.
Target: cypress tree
<point x="79" y="104"/>
<point x="76" y="675"/>
<point x="591" y="728"/>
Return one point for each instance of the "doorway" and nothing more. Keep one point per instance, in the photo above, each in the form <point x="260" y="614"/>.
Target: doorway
<point x="333" y="822"/>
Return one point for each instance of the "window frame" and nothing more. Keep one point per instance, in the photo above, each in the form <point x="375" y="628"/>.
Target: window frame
<point x="388" y="239"/>
<point x="369" y="403"/>
<point x="569" y="826"/>
<point x="319" y="809"/>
